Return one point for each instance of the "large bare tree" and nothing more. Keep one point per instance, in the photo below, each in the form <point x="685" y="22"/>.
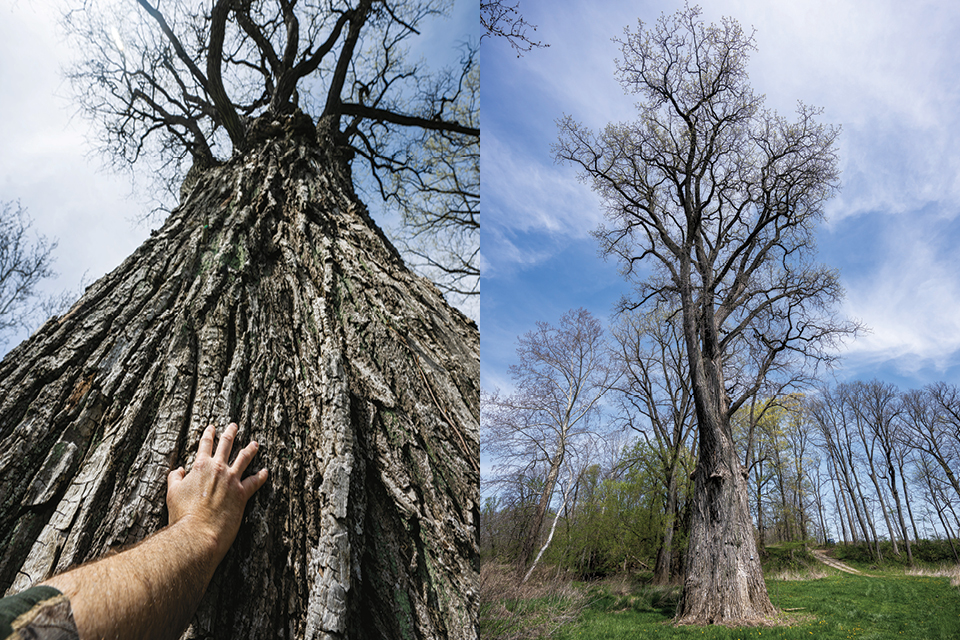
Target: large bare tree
<point x="271" y="298"/>
<point x="186" y="87"/>
<point x="717" y="198"/>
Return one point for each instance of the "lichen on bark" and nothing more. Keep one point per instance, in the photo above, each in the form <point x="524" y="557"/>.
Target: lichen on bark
<point x="269" y="297"/>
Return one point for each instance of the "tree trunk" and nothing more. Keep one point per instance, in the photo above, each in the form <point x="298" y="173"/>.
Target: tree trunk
<point x="270" y="298"/>
<point x="872" y="532"/>
<point x="661" y="572"/>
<point x="723" y="580"/>
<point x="891" y="531"/>
<point x="531" y="539"/>
<point x="761" y="527"/>
<point x="841" y="507"/>
<point x="896" y="499"/>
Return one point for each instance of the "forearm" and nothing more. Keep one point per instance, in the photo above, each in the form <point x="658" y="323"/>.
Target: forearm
<point x="152" y="590"/>
<point x="148" y="591"/>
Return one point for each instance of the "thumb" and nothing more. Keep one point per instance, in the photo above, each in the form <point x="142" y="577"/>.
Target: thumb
<point x="175" y="476"/>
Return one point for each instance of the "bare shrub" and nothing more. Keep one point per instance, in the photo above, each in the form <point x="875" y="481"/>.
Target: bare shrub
<point x="944" y="571"/>
<point x="793" y="575"/>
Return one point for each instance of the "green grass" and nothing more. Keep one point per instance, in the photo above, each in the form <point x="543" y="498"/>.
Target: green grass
<point x="839" y="607"/>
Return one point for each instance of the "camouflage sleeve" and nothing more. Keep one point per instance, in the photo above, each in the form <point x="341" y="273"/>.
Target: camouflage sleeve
<point x="39" y="613"/>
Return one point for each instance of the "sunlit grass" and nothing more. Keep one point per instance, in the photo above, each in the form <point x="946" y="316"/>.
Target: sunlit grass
<point x="837" y="607"/>
<point x="816" y="602"/>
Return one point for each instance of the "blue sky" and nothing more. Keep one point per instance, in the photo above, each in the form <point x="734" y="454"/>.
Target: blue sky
<point x="886" y="71"/>
<point x="47" y="163"/>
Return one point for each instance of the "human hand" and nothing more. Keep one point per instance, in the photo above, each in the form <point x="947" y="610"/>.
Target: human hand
<point x="212" y="497"/>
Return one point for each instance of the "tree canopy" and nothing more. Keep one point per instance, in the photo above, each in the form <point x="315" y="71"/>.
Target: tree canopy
<point x="24" y="262"/>
<point x="186" y="84"/>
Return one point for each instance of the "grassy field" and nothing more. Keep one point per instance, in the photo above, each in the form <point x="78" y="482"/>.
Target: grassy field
<point x="833" y="605"/>
<point x="837" y="607"/>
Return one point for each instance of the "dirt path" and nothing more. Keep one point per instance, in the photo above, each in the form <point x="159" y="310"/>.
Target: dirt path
<point x="822" y="556"/>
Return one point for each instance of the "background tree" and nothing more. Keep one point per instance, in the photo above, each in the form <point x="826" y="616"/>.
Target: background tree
<point x="722" y="197"/>
<point x="656" y="402"/>
<point x="503" y="20"/>
<point x="440" y="199"/>
<point x="879" y="406"/>
<point x="617" y="520"/>
<point x="561" y="374"/>
<point x="25" y="260"/>
<point x="268" y="297"/>
<point x="835" y="417"/>
<point x="932" y="425"/>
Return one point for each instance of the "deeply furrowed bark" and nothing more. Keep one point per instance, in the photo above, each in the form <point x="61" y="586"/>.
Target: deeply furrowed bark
<point x="271" y="299"/>
<point x="723" y="579"/>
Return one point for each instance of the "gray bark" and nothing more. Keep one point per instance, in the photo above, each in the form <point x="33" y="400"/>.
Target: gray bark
<point x="268" y="297"/>
<point x="723" y="579"/>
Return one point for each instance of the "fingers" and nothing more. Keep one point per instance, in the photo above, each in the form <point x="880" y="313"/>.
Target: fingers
<point x="206" y="442"/>
<point x="225" y="446"/>
<point x="245" y="456"/>
<point x="176" y="476"/>
<point x="252" y="484"/>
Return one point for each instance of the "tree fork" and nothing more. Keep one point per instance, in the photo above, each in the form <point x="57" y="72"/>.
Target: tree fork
<point x="268" y="297"/>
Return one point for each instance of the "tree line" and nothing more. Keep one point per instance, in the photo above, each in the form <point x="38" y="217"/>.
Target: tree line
<point x="594" y="450"/>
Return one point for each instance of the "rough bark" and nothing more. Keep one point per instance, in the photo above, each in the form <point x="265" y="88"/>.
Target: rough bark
<point x="723" y="579"/>
<point x="270" y="298"/>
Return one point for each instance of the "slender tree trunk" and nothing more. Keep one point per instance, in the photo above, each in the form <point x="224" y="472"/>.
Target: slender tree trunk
<point x="661" y="572"/>
<point x="906" y="499"/>
<point x="846" y="487"/>
<point x="841" y="506"/>
<point x="891" y="531"/>
<point x="866" y="522"/>
<point x="843" y="481"/>
<point x="786" y="531"/>
<point x="821" y="515"/>
<point x="896" y="499"/>
<point x="872" y="532"/>
<point x="532" y="538"/>
<point x="553" y="529"/>
<point x="270" y="298"/>
<point x="948" y="532"/>
<point x="940" y="511"/>
<point x="849" y="521"/>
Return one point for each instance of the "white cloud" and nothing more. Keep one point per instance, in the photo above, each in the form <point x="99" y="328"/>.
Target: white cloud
<point x="44" y="159"/>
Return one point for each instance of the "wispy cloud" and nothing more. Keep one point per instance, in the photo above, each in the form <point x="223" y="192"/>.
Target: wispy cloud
<point x="529" y="193"/>
<point x="910" y="297"/>
<point x="887" y="72"/>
